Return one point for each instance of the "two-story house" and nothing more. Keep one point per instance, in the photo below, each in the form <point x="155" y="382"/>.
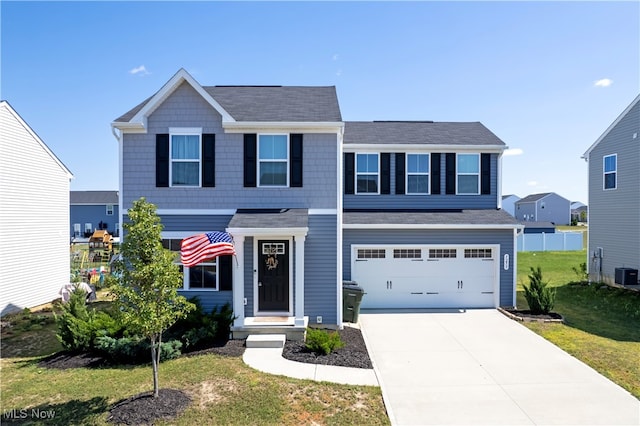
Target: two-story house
<point x="544" y="207"/>
<point x="410" y="210"/>
<point x="93" y="210"/>
<point x="614" y="200"/>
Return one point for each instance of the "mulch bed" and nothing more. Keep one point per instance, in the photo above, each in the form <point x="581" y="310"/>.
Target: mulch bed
<point x="526" y="315"/>
<point x="144" y="409"/>
<point x="353" y="354"/>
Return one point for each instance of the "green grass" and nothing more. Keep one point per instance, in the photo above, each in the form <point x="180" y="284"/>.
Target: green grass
<point x="602" y="323"/>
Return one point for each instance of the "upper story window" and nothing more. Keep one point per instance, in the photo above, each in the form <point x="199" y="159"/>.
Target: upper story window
<point x="273" y="160"/>
<point x="417" y="173"/>
<point x="185" y="159"/>
<point x="468" y="174"/>
<point x="109" y="209"/>
<point x="367" y="173"/>
<point x="610" y="171"/>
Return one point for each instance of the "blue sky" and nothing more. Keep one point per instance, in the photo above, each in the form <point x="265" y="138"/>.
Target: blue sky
<point x="546" y="77"/>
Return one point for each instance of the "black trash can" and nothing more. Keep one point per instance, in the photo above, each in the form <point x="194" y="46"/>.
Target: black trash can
<point x="351" y="299"/>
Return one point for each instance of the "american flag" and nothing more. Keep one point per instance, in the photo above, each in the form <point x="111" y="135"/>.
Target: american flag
<point x="201" y="247"/>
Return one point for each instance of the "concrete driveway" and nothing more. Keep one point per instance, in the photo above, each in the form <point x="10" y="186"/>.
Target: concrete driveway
<point x="480" y="367"/>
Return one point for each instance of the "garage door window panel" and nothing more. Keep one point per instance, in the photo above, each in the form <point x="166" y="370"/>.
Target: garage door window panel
<point x="371" y="254"/>
<point x="443" y="253"/>
<point x="407" y="254"/>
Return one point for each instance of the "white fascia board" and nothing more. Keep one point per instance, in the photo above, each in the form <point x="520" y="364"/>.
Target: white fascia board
<point x="585" y="156"/>
<point x="128" y="127"/>
<point x="377" y="147"/>
<point x="425" y="226"/>
<point x="181" y="76"/>
<point x="283" y="126"/>
<point x="268" y="231"/>
<point x="323" y="212"/>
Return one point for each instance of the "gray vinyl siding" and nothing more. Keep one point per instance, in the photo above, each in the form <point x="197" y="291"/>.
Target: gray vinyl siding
<point x="210" y="299"/>
<point x="435" y="201"/>
<point x="557" y="210"/>
<point x="614" y="215"/>
<point x="196" y="223"/>
<point x="186" y="108"/>
<point x="248" y="277"/>
<point x="34" y="209"/>
<point x="436" y="236"/>
<point x="94" y="214"/>
<point x="321" y="269"/>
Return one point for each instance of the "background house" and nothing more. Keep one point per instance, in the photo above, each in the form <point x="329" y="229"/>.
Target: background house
<point x="34" y="207"/>
<point x="509" y="203"/>
<point x="579" y="212"/>
<point x="614" y="200"/>
<point x="93" y="210"/>
<point x="545" y="207"/>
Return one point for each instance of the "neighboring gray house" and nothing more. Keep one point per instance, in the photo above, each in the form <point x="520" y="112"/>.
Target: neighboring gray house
<point x="92" y="210"/>
<point x="407" y="209"/>
<point x="34" y="217"/>
<point x="546" y="207"/>
<point x="614" y="199"/>
<point x="579" y="211"/>
<point x="509" y="204"/>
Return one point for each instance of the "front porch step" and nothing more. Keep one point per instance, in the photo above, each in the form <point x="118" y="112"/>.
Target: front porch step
<point x="266" y="341"/>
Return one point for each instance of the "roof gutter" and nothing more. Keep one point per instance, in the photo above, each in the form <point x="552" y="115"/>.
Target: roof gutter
<point x="288" y="126"/>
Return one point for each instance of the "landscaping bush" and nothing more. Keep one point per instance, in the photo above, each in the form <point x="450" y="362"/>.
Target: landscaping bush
<point x="78" y="327"/>
<point x="539" y="296"/>
<point x="581" y="272"/>
<point x="323" y="342"/>
<point x="198" y="328"/>
<point x="134" y="350"/>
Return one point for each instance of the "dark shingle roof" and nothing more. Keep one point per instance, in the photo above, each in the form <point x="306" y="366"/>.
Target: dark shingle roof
<point x="93" y="197"/>
<point x="462" y="217"/>
<point x="285" y="218"/>
<point x="418" y="132"/>
<point x="533" y="197"/>
<point x="270" y="103"/>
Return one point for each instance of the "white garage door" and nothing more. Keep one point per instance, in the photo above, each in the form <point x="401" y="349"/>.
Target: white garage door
<point x="426" y="276"/>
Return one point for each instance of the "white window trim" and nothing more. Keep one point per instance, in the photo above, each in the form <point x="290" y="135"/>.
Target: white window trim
<point x="407" y="173"/>
<point x="185" y="131"/>
<point x="109" y="209"/>
<point x="260" y="161"/>
<point x="355" y="174"/>
<point x="604" y="173"/>
<point x="468" y="174"/>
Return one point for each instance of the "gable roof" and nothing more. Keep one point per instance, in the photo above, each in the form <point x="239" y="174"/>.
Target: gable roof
<point x="633" y="103"/>
<point x="537" y="197"/>
<point x="93" y="197"/>
<point x="248" y="103"/>
<point x="5" y="105"/>
<point x="420" y="132"/>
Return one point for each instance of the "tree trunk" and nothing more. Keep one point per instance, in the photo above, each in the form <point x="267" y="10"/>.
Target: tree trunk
<point x="155" y="357"/>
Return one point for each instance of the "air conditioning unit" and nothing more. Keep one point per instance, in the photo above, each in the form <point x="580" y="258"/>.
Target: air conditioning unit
<point x="626" y="276"/>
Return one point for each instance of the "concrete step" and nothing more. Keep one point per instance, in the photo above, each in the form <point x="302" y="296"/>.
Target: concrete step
<point x="266" y="341"/>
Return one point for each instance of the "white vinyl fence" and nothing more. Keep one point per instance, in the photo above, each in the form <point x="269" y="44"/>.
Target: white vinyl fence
<point x="560" y="241"/>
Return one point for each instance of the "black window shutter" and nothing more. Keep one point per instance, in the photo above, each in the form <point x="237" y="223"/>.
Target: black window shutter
<point x="385" y="173"/>
<point x="349" y="173"/>
<point x="451" y="173"/>
<point x="435" y="173"/>
<point x="295" y="162"/>
<point x="162" y="160"/>
<point x="400" y="172"/>
<point x="485" y="174"/>
<point x="208" y="160"/>
<point x="226" y="275"/>
<point x="250" y="159"/>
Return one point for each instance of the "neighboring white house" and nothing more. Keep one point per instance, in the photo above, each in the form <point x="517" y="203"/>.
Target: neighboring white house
<point x="34" y="216"/>
<point x="545" y="207"/>
<point x="509" y="203"/>
<point x="614" y="200"/>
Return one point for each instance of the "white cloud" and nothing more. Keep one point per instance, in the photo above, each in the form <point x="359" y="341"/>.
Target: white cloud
<point x="142" y="70"/>
<point x="603" y="82"/>
<point x="339" y="73"/>
<point x="335" y="57"/>
<point x="532" y="183"/>
<point x="512" y="151"/>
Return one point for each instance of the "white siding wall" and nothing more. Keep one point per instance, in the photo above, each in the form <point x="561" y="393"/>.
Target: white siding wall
<point x="34" y="218"/>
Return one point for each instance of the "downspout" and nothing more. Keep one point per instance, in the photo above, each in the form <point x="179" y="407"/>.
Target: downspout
<point x="517" y="231"/>
<point x="119" y="136"/>
<point x="339" y="202"/>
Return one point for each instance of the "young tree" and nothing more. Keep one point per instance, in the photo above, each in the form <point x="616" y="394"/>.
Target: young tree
<point x="147" y="293"/>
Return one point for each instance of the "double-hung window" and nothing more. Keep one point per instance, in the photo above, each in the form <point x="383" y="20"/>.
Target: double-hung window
<point x="185" y="158"/>
<point x="109" y="210"/>
<point x="468" y="174"/>
<point x="367" y="173"/>
<point x="610" y="171"/>
<point x="417" y="173"/>
<point x="273" y="160"/>
<point x="203" y="276"/>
